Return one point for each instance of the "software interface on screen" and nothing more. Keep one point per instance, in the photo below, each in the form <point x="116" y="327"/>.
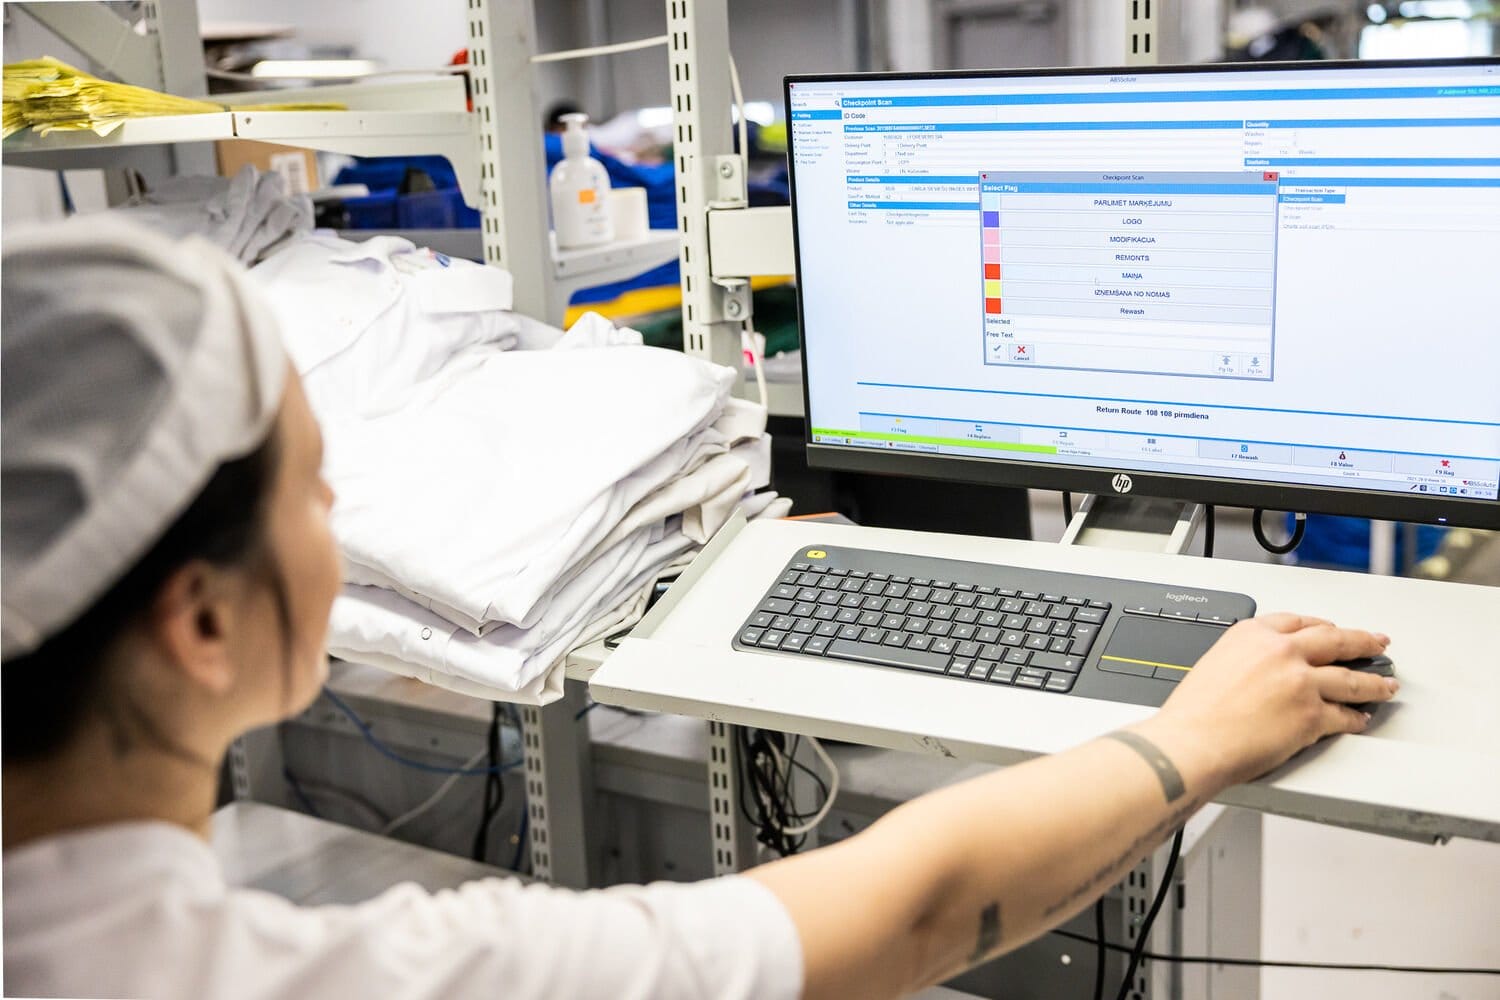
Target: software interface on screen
<point x="1289" y="276"/>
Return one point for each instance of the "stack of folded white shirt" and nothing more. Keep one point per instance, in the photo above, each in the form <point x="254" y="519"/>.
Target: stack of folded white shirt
<point x="496" y="506"/>
<point x="248" y="215"/>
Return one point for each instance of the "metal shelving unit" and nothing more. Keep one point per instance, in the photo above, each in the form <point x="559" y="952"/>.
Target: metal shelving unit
<point x="418" y="117"/>
<point x="497" y="152"/>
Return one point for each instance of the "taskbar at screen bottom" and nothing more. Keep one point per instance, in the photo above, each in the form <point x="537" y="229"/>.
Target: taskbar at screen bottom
<point x="1437" y="476"/>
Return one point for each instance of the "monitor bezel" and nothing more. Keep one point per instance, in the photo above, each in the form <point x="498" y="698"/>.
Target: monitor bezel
<point x="1427" y="508"/>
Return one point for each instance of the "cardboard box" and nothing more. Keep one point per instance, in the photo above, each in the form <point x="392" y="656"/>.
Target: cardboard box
<point x="298" y="166"/>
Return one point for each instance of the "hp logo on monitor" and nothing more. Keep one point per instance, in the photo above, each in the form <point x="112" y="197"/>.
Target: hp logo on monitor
<point x="1121" y="483"/>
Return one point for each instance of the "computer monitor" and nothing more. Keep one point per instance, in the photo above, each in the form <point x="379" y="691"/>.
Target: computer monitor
<point x="1273" y="285"/>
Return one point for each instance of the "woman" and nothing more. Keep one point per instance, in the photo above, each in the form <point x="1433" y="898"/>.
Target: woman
<point x="168" y="575"/>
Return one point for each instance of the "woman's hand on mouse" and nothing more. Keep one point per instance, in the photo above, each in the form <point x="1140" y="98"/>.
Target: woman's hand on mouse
<point x="1268" y="688"/>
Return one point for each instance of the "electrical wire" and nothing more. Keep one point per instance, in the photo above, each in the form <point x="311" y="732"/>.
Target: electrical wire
<point x="739" y="105"/>
<point x="214" y="73"/>
<point x="385" y="751"/>
<point x="494" y="786"/>
<point x="1099" y="948"/>
<point x="602" y="50"/>
<point x="63" y="191"/>
<point x="1299" y="528"/>
<point x="766" y="794"/>
<point x="433" y="799"/>
<point x="515" y="861"/>
<point x="297" y="790"/>
<point x="1144" y="931"/>
<point x="757" y="361"/>
<point x="1067" y="499"/>
<point x="1268" y="963"/>
<point x="1208" y="531"/>
<point x="829" y="795"/>
<point x="374" y="817"/>
<point x="768" y="786"/>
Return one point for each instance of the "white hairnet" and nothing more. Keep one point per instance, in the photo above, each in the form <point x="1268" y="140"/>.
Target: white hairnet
<point x="133" y="366"/>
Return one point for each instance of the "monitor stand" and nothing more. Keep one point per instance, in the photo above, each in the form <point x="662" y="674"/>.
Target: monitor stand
<point x="1138" y="524"/>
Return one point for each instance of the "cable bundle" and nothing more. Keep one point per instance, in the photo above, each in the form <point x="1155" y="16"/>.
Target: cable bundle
<point x="768" y="765"/>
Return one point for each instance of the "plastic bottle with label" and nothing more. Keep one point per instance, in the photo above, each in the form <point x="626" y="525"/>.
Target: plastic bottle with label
<point x="580" y="191"/>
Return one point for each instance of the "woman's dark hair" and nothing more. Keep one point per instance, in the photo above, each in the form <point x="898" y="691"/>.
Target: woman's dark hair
<point x="48" y="692"/>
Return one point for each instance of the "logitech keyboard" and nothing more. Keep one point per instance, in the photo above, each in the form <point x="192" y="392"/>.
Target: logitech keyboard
<point x="1120" y="640"/>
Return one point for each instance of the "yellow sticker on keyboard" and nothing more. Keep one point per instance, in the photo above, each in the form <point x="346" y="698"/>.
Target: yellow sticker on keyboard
<point x="817" y="554"/>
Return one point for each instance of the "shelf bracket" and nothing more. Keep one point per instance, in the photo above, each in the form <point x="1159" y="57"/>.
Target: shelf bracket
<point x="108" y="41"/>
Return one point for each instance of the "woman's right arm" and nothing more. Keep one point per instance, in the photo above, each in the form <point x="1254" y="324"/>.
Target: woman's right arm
<point x="959" y="876"/>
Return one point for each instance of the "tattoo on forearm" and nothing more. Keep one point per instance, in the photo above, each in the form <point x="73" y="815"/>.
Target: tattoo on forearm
<point x="1166" y="771"/>
<point x="989" y="932"/>
<point x="1097" y="881"/>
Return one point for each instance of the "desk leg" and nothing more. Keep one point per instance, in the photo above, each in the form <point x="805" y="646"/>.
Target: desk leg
<point x="559" y="789"/>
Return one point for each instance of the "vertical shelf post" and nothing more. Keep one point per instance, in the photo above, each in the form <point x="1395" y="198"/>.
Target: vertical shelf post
<point x="697" y="42"/>
<point x="512" y="161"/>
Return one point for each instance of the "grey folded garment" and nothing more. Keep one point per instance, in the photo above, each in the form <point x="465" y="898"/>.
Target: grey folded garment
<point x="248" y="215"/>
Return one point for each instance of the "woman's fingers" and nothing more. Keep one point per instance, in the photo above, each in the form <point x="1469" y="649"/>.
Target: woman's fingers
<point x="1353" y="686"/>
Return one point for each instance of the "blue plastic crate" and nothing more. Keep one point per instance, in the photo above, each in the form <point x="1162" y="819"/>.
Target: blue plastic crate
<point x="376" y="210"/>
<point x="442" y="209"/>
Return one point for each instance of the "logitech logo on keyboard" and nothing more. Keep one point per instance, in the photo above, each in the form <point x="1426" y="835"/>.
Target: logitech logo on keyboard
<point x="1179" y="598"/>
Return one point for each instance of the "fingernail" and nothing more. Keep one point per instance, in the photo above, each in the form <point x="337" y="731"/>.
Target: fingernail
<point x="1385" y="640"/>
<point x="1393" y="684"/>
<point x="1366" y="717"/>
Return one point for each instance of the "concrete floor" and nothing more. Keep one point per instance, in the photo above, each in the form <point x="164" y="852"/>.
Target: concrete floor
<point x="1333" y="895"/>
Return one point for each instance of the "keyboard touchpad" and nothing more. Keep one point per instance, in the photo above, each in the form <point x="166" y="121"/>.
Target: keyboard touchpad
<point x="1157" y="647"/>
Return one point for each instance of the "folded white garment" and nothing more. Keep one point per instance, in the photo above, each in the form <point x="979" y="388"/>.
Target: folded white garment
<point x="765" y="505"/>
<point x="365" y="322"/>
<point x="247" y="214"/>
<point x="378" y="627"/>
<point x="375" y="626"/>
<point x="497" y="473"/>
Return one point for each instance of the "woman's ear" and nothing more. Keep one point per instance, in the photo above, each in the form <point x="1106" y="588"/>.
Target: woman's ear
<point x="192" y="620"/>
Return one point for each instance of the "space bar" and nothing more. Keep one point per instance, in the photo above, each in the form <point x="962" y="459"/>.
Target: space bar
<point x="888" y="656"/>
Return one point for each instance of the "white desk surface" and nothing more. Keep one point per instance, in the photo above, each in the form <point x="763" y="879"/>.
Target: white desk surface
<point x="1428" y="768"/>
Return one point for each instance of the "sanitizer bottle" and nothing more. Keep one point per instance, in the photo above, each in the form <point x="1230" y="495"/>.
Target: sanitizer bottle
<point x="580" y="191"/>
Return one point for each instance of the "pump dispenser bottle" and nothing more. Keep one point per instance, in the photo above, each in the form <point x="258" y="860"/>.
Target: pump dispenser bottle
<point x="580" y="191"/>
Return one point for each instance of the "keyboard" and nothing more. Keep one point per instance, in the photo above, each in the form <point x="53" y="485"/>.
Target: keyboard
<point x="1120" y="640"/>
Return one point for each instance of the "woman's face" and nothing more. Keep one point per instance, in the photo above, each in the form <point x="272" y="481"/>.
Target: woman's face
<point x="286" y="663"/>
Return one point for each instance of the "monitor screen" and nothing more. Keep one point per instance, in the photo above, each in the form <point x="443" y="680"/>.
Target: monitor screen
<point x="1273" y="286"/>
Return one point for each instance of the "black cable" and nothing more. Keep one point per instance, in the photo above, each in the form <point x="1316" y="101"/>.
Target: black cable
<point x="521" y="831"/>
<point x="1299" y="528"/>
<point x="1208" y="531"/>
<point x="494" y="786"/>
<point x="1067" y="498"/>
<point x="768" y="784"/>
<point x="1099" y="948"/>
<point x="1145" y="929"/>
<point x="297" y="790"/>
<point x="69" y="209"/>
<point x="1267" y="963"/>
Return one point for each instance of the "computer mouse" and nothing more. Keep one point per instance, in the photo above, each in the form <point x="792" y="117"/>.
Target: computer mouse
<point x="1381" y="665"/>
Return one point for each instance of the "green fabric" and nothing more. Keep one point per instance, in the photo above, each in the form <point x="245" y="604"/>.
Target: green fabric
<point x="775" y="318"/>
